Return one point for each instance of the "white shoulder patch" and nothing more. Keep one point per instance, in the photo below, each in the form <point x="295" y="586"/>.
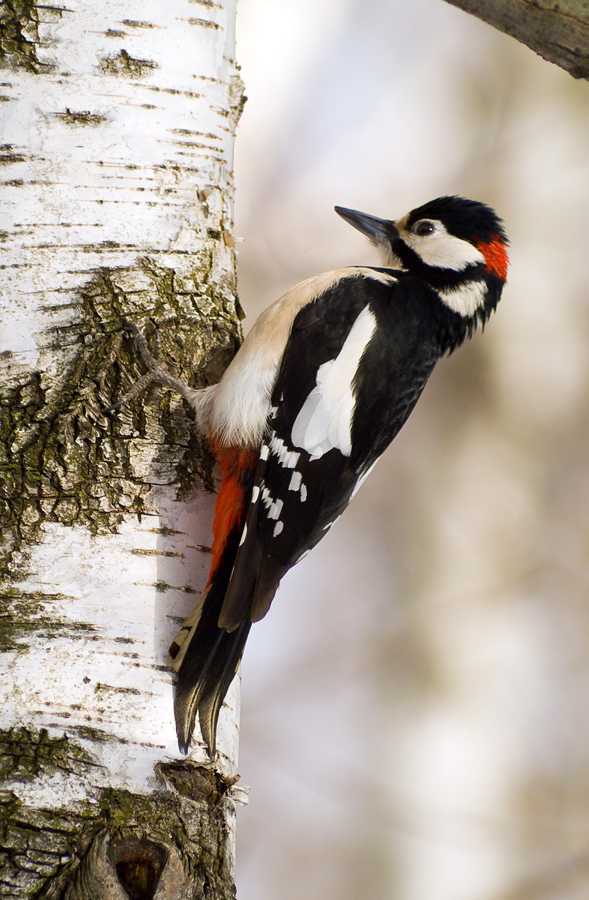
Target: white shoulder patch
<point x="324" y="421"/>
<point x="241" y="403"/>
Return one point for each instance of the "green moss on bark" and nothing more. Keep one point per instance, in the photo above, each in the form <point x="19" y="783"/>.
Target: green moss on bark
<point x="66" y="853"/>
<point x="25" y="615"/>
<point x="63" y="457"/>
<point x="26" y="755"/>
<point x="122" y="63"/>
<point x="19" y="33"/>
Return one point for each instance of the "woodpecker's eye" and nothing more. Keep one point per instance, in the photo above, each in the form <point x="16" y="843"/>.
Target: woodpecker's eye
<point x="423" y="228"/>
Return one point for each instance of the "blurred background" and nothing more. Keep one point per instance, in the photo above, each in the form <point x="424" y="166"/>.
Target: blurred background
<point x="415" y="719"/>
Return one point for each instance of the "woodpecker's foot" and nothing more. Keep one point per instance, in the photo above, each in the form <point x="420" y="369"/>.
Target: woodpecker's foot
<point x="155" y="375"/>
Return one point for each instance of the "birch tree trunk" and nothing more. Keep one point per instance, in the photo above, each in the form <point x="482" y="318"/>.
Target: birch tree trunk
<point x="116" y="157"/>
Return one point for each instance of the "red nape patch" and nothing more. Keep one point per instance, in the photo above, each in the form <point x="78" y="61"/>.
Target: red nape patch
<point x="496" y="258"/>
<point x="237" y="465"/>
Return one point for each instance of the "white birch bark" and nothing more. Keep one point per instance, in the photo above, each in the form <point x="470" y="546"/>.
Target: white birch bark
<point x="117" y="136"/>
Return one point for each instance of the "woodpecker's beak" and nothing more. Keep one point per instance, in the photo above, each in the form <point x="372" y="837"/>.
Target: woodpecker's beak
<point x="381" y="231"/>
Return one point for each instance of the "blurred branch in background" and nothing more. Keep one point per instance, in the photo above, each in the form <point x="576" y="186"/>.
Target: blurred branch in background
<point x="558" y="32"/>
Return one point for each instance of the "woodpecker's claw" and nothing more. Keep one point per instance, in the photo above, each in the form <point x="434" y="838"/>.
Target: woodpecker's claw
<point x="144" y="382"/>
<point x="154" y="375"/>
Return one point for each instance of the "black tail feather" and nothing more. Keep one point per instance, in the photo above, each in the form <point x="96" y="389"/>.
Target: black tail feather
<point x="214" y="684"/>
<point x="208" y="648"/>
<point x="209" y="664"/>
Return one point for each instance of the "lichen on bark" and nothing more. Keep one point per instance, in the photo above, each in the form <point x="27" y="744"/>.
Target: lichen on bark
<point x="114" y="843"/>
<point x="19" y="34"/>
<point x="127" y="205"/>
<point x="23" y="614"/>
<point x="63" y="456"/>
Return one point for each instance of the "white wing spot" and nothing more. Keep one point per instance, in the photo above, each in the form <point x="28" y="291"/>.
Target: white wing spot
<point x="241" y="402"/>
<point x="329" y="524"/>
<point x="273" y="507"/>
<point x="255" y="492"/>
<point x="287" y="458"/>
<point x="295" y="481"/>
<point x="264" y="451"/>
<point x="277" y="529"/>
<point x="243" y="535"/>
<point x="362" y="479"/>
<point x="303" y="493"/>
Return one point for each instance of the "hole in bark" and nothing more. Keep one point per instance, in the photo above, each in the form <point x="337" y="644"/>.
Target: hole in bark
<point x="138" y="878"/>
<point x="139" y="864"/>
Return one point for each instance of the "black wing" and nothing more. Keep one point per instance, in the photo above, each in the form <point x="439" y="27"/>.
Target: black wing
<point x="295" y="497"/>
<point x="299" y="493"/>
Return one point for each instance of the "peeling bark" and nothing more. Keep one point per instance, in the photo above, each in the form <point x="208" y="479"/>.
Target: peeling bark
<point x="116" y="171"/>
<point x="556" y="31"/>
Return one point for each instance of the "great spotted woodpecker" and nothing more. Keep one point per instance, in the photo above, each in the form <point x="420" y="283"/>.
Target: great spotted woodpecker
<point x="318" y="390"/>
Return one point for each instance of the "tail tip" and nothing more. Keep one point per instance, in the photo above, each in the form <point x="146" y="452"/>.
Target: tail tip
<point x="185" y="733"/>
<point x="183" y="745"/>
<point x="184" y="742"/>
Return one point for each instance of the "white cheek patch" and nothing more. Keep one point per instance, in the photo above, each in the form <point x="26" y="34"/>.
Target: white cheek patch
<point x="443" y="250"/>
<point x="324" y="421"/>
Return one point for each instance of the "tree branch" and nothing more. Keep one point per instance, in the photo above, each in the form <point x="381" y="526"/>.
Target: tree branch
<point x="557" y="31"/>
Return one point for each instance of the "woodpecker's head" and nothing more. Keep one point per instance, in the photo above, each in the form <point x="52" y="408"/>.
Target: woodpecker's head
<point x="457" y="246"/>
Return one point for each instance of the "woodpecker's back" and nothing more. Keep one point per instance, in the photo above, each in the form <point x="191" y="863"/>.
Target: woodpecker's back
<point x="319" y="389"/>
